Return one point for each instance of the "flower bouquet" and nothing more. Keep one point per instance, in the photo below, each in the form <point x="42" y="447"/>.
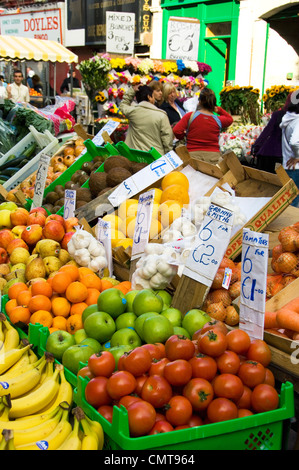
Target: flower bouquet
<point x="94" y="73"/>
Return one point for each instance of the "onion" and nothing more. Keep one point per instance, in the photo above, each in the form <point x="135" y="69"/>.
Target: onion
<point x="227" y="263"/>
<point x="287" y="237"/>
<point x="276" y="251"/>
<point x="235" y="290"/>
<point x="217" y="311"/>
<point x="218" y="279"/>
<point x="286" y="262"/>
<point x="221" y="295"/>
<point x="287" y="279"/>
<point x="232" y="316"/>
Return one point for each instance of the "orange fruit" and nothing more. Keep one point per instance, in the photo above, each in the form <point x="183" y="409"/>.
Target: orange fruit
<point x="61" y="307"/>
<point x="59" y="322"/>
<point x="78" y="308"/>
<point x="43" y="317"/>
<point x="42" y="288"/>
<point x="83" y="271"/>
<point x="92" y="281"/>
<point x="92" y="296"/>
<point x="39" y="302"/>
<point x="175" y="192"/>
<point x="15" y="289"/>
<point x="175" y="177"/>
<point x="106" y="284"/>
<point x="74" y="323"/>
<point x="52" y="329"/>
<point x="10" y="304"/>
<point x="20" y="314"/>
<point x="76" y="292"/>
<point x="70" y="269"/>
<point x="60" y="282"/>
<point x="24" y="297"/>
<point x="168" y="212"/>
<point x="124" y="286"/>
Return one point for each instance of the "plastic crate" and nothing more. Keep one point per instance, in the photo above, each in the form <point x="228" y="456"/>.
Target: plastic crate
<point x="137" y="155"/>
<point x="262" y="431"/>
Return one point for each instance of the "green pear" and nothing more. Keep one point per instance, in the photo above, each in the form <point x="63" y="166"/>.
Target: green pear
<point x="5" y="269"/>
<point x="52" y="264"/>
<point x="3" y="283"/>
<point x="64" y="256"/>
<point x="36" y="268"/>
<point x="19" y="255"/>
<point x="47" y="247"/>
<point x="31" y="257"/>
<point x="17" y="266"/>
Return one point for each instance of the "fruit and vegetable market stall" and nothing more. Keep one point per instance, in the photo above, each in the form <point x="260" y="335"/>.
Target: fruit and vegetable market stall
<point x="108" y="362"/>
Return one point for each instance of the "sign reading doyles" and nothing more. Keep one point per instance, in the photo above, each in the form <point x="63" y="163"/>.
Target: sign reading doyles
<point x="182" y="38"/>
<point x="120" y="29"/>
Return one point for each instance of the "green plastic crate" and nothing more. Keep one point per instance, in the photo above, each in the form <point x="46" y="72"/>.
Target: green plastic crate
<point x="137" y="155"/>
<point x="263" y="431"/>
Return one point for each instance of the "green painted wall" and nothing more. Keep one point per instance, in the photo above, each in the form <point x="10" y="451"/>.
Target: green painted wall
<point x="218" y="50"/>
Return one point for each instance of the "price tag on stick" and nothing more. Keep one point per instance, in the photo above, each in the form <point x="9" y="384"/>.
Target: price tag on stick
<point x="40" y="181"/>
<point x="143" y="223"/>
<point x="69" y="203"/>
<point x="253" y="282"/>
<point x="104" y="236"/>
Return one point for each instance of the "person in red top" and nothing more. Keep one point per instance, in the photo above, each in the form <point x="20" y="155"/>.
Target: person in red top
<point x="202" y="128"/>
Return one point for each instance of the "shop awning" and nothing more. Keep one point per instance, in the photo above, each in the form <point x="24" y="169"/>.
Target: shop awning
<point x="18" y="48"/>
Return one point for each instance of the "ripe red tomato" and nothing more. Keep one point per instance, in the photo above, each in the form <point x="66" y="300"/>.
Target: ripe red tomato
<point x="137" y="361"/>
<point x="259" y="351"/>
<point x="215" y="324"/>
<point x="242" y="412"/>
<point x="85" y="372"/>
<point x="141" y="417"/>
<point x="183" y="426"/>
<point x="127" y="400"/>
<point x="252" y="373"/>
<point x="228" y="386"/>
<point x="179" y="347"/>
<point x="195" y="420"/>
<point x="106" y="411"/>
<point x="101" y="364"/>
<point x="203" y="366"/>
<point x="161" y="426"/>
<point x="238" y="341"/>
<point x="245" y="400"/>
<point x="178" y="372"/>
<point x="213" y="343"/>
<point x="161" y="347"/>
<point x="221" y="409"/>
<point x="178" y="410"/>
<point x="269" y="377"/>
<point x="264" y="397"/>
<point x="199" y="392"/>
<point x="159" y="416"/>
<point x="157" y="367"/>
<point x="156" y="390"/>
<point x="121" y="383"/>
<point x="96" y="393"/>
<point x="228" y="362"/>
<point x="154" y="350"/>
<point x="139" y="384"/>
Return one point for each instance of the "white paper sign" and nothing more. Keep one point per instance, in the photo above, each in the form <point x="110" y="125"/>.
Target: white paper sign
<point x="69" y="203"/>
<point x="182" y="38"/>
<point x="210" y="245"/>
<point x="120" y="32"/>
<point x="40" y="181"/>
<point x="143" y="223"/>
<point x="104" y="236"/>
<point x="145" y="177"/>
<point x="98" y="140"/>
<point x="255" y="247"/>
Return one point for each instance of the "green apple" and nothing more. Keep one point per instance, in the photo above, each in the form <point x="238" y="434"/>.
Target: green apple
<point x="130" y="296"/>
<point x="125" y="319"/>
<point x="166" y="297"/>
<point x="73" y="355"/>
<point x="106" y="346"/>
<point x="140" y="320"/>
<point x="178" y="330"/>
<point x="100" y="326"/>
<point x="93" y="343"/>
<point x="174" y="315"/>
<point x="194" y="320"/>
<point x="112" y="301"/>
<point x="118" y="351"/>
<point x="88" y="310"/>
<point x="80" y="335"/>
<point x="58" y="342"/>
<point x="157" y="329"/>
<point x="147" y="301"/>
<point x="127" y="337"/>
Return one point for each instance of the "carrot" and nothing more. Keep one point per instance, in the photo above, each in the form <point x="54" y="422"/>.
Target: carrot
<point x="270" y="320"/>
<point x="295" y="336"/>
<point x="276" y="332"/>
<point x="288" y="319"/>
<point x="293" y="305"/>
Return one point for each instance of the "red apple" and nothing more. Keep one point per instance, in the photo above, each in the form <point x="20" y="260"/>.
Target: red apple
<point x="19" y="216"/>
<point x="53" y="230"/>
<point x="70" y="223"/>
<point x="66" y="239"/>
<point x="15" y="244"/>
<point x="6" y="236"/>
<point x="37" y="218"/>
<point x="3" y="256"/>
<point x="39" y="209"/>
<point x="55" y="217"/>
<point x="32" y="234"/>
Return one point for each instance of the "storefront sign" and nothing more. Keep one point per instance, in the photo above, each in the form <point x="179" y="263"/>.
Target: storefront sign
<point x="120" y="29"/>
<point x="182" y="38"/>
<point x="44" y="24"/>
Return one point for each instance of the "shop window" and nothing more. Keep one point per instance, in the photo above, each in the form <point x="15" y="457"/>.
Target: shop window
<point x="218" y="29"/>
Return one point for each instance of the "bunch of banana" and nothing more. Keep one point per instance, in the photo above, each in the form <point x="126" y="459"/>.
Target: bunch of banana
<point x="7" y="442"/>
<point x="9" y="336"/>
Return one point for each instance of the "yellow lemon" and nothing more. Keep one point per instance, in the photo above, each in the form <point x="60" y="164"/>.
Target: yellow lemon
<point x="124" y="225"/>
<point x="155" y="229"/>
<point x="168" y="212"/>
<point x="124" y="206"/>
<point x="176" y="192"/>
<point x="131" y="227"/>
<point x="175" y="177"/>
<point x="157" y="194"/>
<point x="125" y="243"/>
<point x="155" y="212"/>
<point x="116" y="235"/>
<point x="114" y="220"/>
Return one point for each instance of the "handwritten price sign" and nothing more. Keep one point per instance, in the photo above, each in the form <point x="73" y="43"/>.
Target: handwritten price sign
<point x="69" y="203"/>
<point x="210" y="245"/>
<point x="104" y="236"/>
<point x="40" y="181"/>
<point x="253" y="282"/>
<point x="143" y="223"/>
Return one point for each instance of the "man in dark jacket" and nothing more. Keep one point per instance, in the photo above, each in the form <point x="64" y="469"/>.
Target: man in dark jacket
<point x="66" y="84"/>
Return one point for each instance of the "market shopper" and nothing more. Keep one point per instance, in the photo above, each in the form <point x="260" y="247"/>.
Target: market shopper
<point x="157" y="87"/>
<point x="171" y="104"/>
<point x="66" y="84"/>
<point x="148" y="125"/>
<point x="36" y="84"/>
<point x="16" y="91"/>
<point x="290" y="141"/>
<point x="202" y="128"/>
